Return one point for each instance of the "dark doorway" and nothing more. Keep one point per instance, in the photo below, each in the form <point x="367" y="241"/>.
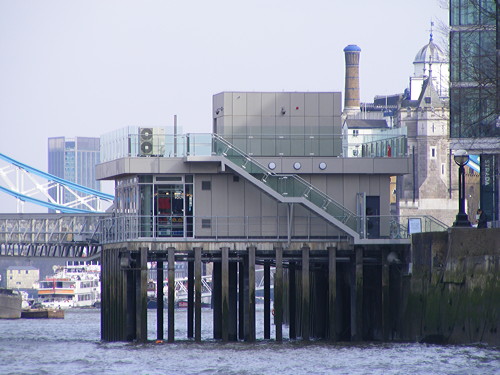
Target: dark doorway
<point x="373" y="216"/>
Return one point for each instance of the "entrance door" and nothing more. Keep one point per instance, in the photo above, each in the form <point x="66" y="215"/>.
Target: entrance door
<point x="169" y="209"/>
<point x="372" y="216"/>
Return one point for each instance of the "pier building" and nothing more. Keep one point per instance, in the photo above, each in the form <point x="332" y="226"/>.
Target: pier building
<point x="269" y="187"/>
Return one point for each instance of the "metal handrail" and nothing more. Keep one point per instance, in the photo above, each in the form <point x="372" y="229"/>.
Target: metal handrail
<point x="306" y="189"/>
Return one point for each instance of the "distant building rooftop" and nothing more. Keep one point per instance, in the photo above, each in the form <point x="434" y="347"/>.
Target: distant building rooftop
<point x="366" y="124"/>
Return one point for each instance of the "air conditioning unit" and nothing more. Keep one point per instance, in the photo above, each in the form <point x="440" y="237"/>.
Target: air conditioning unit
<point x="146" y="141"/>
<point x="151" y="141"/>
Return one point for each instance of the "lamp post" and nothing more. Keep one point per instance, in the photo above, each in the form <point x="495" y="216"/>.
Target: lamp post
<point x="461" y="159"/>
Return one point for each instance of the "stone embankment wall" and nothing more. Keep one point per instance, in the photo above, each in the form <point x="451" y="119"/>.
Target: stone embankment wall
<point x="453" y="293"/>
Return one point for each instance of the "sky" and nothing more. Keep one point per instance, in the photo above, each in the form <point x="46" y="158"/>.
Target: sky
<point x="87" y="67"/>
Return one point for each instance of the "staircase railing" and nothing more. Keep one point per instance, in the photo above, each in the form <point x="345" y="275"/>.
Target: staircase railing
<point x="287" y="185"/>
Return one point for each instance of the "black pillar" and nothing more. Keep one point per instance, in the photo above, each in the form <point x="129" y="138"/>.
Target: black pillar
<point x="142" y="297"/>
<point x="171" y="294"/>
<point x="225" y="293"/>
<point x="233" y="301"/>
<point x="159" y="300"/>
<point x="251" y="294"/>
<point x="278" y="294"/>
<point x="332" y="292"/>
<point x="242" y="293"/>
<point x="190" y="299"/>
<point x="267" y="300"/>
<point x="292" y="300"/>
<point x="217" y="300"/>
<point x="197" y="293"/>
<point x="305" y="294"/>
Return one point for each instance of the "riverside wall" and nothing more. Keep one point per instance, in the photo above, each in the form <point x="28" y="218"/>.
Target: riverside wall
<point x="453" y="292"/>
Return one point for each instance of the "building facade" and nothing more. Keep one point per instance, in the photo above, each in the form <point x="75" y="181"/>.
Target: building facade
<point x="474" y="92"/>
<point x="272" y="171"/>
<point x="74" y="159"/>
<point x="21" y="277"/>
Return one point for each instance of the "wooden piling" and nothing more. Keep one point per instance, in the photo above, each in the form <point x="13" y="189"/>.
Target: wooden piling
<point x="233" y="301"/>
<point x="171" y="294"/>
<point x="267" y="300"/>
<point x="217" y="300"/>
<point x="292" y="301"/>
<point x="225" y="293"/>
<point x="332" y="292"/>
<point x="278" y="294"/>
<point x="242" y="296"/>
<point x="385" y="296"/>
<point x="159" y="300"/>
<point x="190" y="299"/>
<point x="305" y="294"/>
<point x="130" y="303"/>
<point x="142" y="296"/>
<point x="197" y="293"/>
<point x="251" y="294"/>
<point x="357" y="295"/>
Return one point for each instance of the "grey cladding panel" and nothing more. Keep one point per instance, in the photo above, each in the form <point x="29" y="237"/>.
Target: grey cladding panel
<point x="326" y="104"/>
<point x="239" y="104"/>
<point x="254" y="104"/>
<point x="268" y="104"/>
<point x="311" y="104"/>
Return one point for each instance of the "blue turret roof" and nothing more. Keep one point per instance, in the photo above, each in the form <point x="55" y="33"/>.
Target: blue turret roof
<point x="352" y="48"/>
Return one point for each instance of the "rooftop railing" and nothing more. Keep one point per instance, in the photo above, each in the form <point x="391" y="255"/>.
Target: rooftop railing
<point x="129" y="142"/>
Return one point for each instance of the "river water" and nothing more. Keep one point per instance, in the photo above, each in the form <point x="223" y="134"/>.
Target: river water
<point x="73" y="346"/>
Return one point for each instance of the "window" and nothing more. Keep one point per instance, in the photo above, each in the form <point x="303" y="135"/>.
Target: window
<point x="206" y="223"/>
<point x="442" y="169"/>
<point x="355" y="132"/>
<point x="433" y="152"/>
<point x="206" y="185"/>
<point x="168" y="178"/>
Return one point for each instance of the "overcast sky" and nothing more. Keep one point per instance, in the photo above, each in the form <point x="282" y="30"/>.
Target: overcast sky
<point x="84" y="68"/>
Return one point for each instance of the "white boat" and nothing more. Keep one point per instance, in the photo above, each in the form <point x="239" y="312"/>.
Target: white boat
<point x="77" y="284"/>
<point x="10" y="304"/>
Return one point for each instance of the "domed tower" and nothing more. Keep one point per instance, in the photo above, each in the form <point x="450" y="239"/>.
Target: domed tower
<point x="430" y="60"/>
<point x="351" y="101"/>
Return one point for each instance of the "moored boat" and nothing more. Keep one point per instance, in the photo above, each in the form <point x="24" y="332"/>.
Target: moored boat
<point x="10" y="304"/>
<point x="75" y="285"/>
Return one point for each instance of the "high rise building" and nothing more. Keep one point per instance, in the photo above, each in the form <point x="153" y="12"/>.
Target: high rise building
<point x="74" y="159"/>
<point x="475" y="92"/>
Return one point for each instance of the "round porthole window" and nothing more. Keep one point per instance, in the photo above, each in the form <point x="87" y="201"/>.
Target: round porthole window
<point x="297" y="165"/>
<point x="271" y="166"/>
<point x="322" y="166"/>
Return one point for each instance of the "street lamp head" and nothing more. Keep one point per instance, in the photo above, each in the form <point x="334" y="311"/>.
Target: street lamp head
<point x="461" y="157"/>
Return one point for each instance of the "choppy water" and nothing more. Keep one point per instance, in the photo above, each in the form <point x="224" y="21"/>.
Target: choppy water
<point x="72" y="346"/>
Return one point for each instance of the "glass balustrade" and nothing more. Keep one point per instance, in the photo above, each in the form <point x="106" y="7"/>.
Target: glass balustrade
<point x="288" y="186"/>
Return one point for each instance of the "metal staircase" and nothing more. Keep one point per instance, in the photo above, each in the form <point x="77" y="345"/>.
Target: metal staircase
<point x="286" y="188"/>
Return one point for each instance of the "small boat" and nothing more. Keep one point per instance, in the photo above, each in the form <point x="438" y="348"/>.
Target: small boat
<point x="10" y="304"/>
<point x="75" y="285"/>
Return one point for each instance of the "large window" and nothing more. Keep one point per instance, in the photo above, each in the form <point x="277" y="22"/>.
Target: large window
<point x="166" y="206"/>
